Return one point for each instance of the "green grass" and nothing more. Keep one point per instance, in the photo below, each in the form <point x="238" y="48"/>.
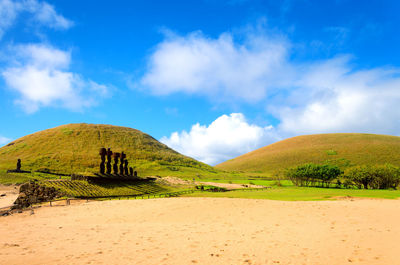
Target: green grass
<point x="331" y="152"/>
<point x="19" y="178"/>
<point x="301" y="194"/>
<point x="123" y="188"/>
<point x="74" y="148"/>
<point x="288" y="192"/>
<point x="343" y="149"/>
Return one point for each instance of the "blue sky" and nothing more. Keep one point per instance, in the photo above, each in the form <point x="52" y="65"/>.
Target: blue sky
<point x="212" y="79"/>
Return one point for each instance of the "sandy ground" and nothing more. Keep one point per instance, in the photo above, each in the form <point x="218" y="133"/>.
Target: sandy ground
<point x="229" y="186"/>
<point x="11" y="194"/>
<point x="177" y="181"/>
<point x="205" y="231"/>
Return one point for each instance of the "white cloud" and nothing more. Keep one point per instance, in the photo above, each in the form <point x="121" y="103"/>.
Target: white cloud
<point x="41" y="78"/>
<point x="4" y="140"/>
<point x="341" y="99"/>
<point x="219" y="68"/>
<point x="331" y="95"/>
<point x="8" y="13"/>
<point x="224" y="138"/>
<point x="46" y="14"/>
<point x="311" y="97"/>
<point x="42" y="13"/>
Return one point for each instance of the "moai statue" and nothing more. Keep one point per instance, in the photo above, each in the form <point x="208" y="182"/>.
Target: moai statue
<point x="115" y="166"/>
<point x="131" y="171"/>
<point x="102" y="153"/>
<point x="19" y="165"/>
<point x="126" y="167"/>
<point x="109" y="154"/>
<point x="135" y="174"/>
<point x="121" y="166"/>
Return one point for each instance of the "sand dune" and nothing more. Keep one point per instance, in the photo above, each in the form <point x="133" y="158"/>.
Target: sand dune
<point x="205" y="231"/>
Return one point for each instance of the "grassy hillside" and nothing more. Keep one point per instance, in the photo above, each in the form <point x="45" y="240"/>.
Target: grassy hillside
<point x="74" y="148"/>
<point x="343" y="149"/>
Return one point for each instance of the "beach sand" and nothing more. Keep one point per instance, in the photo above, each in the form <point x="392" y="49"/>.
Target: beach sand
<point x="10" y="195"/>
<point x="205" y="231"/>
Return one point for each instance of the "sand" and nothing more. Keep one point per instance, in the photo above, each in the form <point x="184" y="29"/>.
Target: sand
<point x="205" y="231"/>
<point x="10" y="195"/>
<point x="229" y="186"/>
<point x="174" y="181"/>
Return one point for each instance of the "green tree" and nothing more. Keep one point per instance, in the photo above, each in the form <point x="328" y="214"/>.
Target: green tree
<point x="313" y="175"/>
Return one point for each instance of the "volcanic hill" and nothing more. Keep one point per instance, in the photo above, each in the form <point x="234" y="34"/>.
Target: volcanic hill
<point x="74" y="148"/>
<point x="341" y="149"/>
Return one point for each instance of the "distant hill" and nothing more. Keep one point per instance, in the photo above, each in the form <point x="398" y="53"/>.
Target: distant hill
<point x="74" y="148"/>
<point x="342" y="149"/>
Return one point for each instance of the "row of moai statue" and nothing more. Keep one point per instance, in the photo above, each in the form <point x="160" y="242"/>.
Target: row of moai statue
<point x="118" y="157"/>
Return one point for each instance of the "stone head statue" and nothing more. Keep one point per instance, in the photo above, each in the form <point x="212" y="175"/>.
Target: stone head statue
<point x="102" y="151"/>
<point x="109" y="152"/>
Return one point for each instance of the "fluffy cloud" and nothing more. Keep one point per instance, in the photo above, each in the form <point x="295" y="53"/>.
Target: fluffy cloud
<point x="327" y="97"/>
<point x="42" y="13"/>
<point x="221" y="68"/>
<point x="224" y="138"/>
<point x="333" y="97"/>
<point x="306" y="97"/>
<point x="41" y="78"/>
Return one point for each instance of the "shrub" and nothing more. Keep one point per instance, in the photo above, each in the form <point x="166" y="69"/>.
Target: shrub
<point x="375" y="177"/>
<point x="313" y="175"/>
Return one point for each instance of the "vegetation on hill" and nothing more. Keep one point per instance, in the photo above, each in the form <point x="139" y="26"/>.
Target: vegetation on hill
<point x="74" y="148"/>
<point x="345" y="150"/>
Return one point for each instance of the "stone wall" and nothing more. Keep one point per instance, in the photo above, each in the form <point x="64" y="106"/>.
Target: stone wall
<point x="32" y="192"/>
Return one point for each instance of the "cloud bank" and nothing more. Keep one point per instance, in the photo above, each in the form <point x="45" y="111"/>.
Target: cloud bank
<point x="222" y="68"/>
<point x="333" y="97"/>
<point x="326" y="96"/>
<point x="224" y="138"/>
<point x="41" y="78"/>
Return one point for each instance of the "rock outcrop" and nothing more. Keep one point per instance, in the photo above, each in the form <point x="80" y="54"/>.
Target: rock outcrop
<point x="32" y="192"/>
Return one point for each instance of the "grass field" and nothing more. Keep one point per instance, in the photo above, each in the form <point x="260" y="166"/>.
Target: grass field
<point x="344" y="150"/>
<point x="19" y="178"/>
<point x="123" y="188"/>
<point x="301" y="194"/>
<point x="286" y="191"/>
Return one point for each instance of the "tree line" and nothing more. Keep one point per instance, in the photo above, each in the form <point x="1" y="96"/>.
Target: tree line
<point x="363" y="177"/>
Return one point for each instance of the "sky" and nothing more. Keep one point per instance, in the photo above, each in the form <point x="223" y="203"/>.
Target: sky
<point x="212" y="79"/>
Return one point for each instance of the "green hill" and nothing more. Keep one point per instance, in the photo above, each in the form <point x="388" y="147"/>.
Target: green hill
<point x="342" y="149"/>
<point x="74" y="148"/>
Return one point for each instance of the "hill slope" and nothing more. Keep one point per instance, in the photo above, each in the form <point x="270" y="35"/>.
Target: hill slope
<point x="74" y="148"/>
<point x="343" y="149"/>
